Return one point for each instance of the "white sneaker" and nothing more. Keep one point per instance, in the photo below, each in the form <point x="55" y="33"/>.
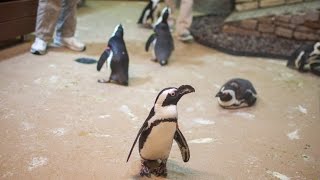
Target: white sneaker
<point x="185" y="37"/>
<point x="70" y="42"/>
<point x="39" y="47"/>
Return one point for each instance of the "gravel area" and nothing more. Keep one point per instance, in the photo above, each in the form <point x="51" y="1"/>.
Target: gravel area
<point x="207" y="30"/>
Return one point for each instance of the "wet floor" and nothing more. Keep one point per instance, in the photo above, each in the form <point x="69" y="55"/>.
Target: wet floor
<point x="57" y="122"/>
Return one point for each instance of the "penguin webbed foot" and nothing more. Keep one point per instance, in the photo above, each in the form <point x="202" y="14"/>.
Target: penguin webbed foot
<point x="161" y="170"/>
<point x="113" y="81"/>
<point x="154" y="59"/>
<point x="103" y="81"/>
<point x="145" y="171"/>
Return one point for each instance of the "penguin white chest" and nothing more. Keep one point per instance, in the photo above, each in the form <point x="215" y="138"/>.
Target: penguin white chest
<point x="159" y="142"/>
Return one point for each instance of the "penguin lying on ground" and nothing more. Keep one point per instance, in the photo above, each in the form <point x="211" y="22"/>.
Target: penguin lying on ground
<point x="117" y="56"/>
<point x="237" y="93"/>
<point x="158" y="131"/>
<point x="148" y="13"/>
<point x="306" y="58"/>
<point x="161" y="39"/>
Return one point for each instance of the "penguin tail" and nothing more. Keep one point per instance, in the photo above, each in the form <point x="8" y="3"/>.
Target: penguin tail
<point x="104" y="56"/>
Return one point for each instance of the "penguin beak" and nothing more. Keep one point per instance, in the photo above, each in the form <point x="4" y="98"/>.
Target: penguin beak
<point x="185" y="89"/>
<point x="218" y="94"/>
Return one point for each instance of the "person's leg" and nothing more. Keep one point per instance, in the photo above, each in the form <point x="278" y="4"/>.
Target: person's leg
<point x="66" y="26"/>
<point x="185" y="20"/>
<point x="47" y="15"/>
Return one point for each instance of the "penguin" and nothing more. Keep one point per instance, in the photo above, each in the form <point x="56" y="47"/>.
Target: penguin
<point x="148" y="12"/>
<point x="158" y="131"/>
<point x="161" y="39"/>
<point x="118" y="59"/>
<point x="306" y="58"/>
<point x="237" y="93"/>
<point x="314" y="59"/>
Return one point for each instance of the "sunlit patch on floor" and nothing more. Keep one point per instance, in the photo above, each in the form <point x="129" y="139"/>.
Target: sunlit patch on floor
<point x="245" y="115"/>
<point x="58" y="131"/>
<point x="203" y="121"/>
<point x="37" y="162"/>
<point x="27" y="126"/>
<point x="278" y="175"/>
<point x="293" y="135"/>
<point x="201" y="141"/>
<point x="126" y="110"/>
<point x="52" y="66"/>
<point x="104" y="116"/>
<point x="302" y="109"/>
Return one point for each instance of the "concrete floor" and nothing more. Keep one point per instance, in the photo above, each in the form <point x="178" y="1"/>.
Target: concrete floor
<point x="57" y="122"/>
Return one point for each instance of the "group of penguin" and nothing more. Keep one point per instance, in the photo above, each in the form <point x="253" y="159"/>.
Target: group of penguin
<point x="116" y="53"/>
<point x="161" y="126"/>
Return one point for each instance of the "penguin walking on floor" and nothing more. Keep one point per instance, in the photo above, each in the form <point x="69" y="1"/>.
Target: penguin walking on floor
<point x="148" y="12"/>
<point x="158" y="131"/>
<point x="237" y="93"/>
<point x="161" y="39"/>
<point x="117" y="58"/>
<point x="306" y="58"/>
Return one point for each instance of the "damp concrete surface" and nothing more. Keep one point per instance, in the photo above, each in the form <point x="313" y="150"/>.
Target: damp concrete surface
<point x="57" y="122"/>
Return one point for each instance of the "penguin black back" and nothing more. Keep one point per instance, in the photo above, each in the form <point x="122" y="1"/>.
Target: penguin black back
<point x="118" y="59"/>
<point x="162" y="39"/>
<point x="148" y="12"/>
<point x="237" y="93"/>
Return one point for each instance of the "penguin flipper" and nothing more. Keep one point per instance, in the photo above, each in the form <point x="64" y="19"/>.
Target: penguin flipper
<point x="150" y="40"/>
<point x="104" y="56"/>
<point x="145" y="125"/>
<point x="135" y="141"/>
<point x="250" y="99"/>
<point x="183" y="146"/>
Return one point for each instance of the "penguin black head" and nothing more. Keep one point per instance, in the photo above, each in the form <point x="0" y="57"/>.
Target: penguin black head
<point x="224" y="96"/>
<point x="118" y="31"/>
<point x="171" y="96"/>
<point x="316" y="50"/>
<point x="165" y="14"/>
<point x="163" y="18"/>
<point x="228" y="91"/>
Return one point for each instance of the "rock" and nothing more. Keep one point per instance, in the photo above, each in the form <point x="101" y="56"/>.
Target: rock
<point x="266" y="28"/>
<point x="247" y="6"/>
<point x="284" y="32"/>
<point x="268" y="3"/>
<point x="249" y="24"/>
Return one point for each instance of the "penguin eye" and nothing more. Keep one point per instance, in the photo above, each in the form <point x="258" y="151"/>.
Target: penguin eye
<point x="172" y="93"/>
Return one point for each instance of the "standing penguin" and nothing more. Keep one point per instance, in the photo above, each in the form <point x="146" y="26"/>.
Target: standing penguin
<point x="117" y="56"/>
<point x="161" y="39"/>
<point x="148" y="12"/>
<point x="158" y="131"/>
<point x="305" y="58"/>
<point x="237" y="93"/>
